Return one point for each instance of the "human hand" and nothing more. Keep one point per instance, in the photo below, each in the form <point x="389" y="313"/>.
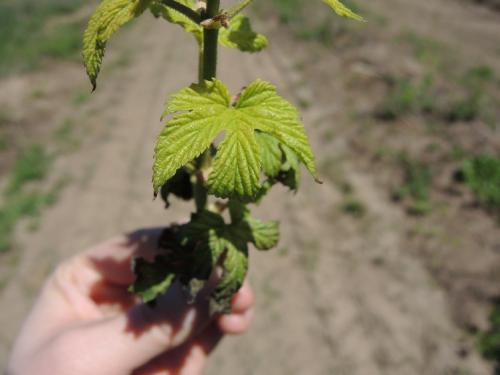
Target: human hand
<point x="86" y="322"/>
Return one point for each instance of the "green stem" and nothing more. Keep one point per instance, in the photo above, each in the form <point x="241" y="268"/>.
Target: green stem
<point x="210" y="42"/>
<point x="181" y="8"/>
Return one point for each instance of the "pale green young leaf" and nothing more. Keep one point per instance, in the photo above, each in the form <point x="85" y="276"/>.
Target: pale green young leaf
<point x="191" y="131"/>
<point x="237" y="163"/>
<point x="271" y="154"/>
<point x="109" y="16"/>
<point x="275" y="116"/>
<point x="265" y="234"/>
<point x="240" y="35"/>
<point x="343" y="10"/>
<point x="177" y="18"/>
<point x="203" y="111"/>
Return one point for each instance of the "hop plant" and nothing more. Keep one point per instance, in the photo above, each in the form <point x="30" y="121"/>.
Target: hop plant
<point x="264" y="144"/>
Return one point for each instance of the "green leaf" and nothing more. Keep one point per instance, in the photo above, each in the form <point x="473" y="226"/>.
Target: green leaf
<point x="235" y="267"/>
<point x="177" y="18"/>
<point x="109" y="16"/>
<point x="202" y="112"/>
<point x="275" y="116"/>
<point x="240" y="35"/>
<point x="152" y="279"/>
<point x="265" y="234"/>
<point x="237" y="164"/>
<point x="272" y="156"/>
<point x="343" y="10"/>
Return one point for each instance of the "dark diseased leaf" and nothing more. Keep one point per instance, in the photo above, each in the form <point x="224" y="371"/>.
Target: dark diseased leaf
<point x="191" y="252"/>
<point x="180" y="185"/>
<point x="152" y="279"/>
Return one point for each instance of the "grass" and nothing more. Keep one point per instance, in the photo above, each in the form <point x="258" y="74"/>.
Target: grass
<point x="25" y="38"/>
<point x="65" y="137"/>
<point x="406" y="96"/>
<point x="489" y="341"/>
<point x="482" y="175"/>
<point x="473" y="102"/>
<point x="289" y="10"/>
<point x="354" y="207"/>
<point x="417" y="182"/>
<point x="19" y="202"/>
<point x="32" y="165"/>
<point x="426" y="49"/>
<point x="81" y="97"/>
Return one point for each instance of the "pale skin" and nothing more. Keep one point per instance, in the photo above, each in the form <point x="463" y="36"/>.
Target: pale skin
<point x="86" y="322"/>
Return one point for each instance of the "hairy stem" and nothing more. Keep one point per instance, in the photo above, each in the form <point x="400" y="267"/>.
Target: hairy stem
<point x="210" y="42"/>
<point x="181" y="8"/>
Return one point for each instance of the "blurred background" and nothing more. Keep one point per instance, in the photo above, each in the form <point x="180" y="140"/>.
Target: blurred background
<point x="391" y="267"/>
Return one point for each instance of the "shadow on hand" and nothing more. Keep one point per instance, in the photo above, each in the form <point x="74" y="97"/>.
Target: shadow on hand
<point x="172" y="309"/>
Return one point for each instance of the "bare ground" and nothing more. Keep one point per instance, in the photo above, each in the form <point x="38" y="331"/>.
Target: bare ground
<point x="340" y="295"/>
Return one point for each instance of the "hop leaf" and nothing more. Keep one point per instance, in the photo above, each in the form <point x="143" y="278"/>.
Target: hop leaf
<point x="240" y="35"/>
<point x="109" y="16"/>
<point x="272" y="156"/>
<point x="203" y="111"/>
<point x="235" y="266"/>
<point x="177" y="18"/>
<point x="343" y="10"/>
<point x="190" y="253"/>
<point x="265" y="234"/>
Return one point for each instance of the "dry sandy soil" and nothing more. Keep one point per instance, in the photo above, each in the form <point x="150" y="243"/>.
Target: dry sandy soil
<point x="381" y="294"/>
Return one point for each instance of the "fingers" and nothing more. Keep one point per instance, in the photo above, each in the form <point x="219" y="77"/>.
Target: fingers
<point x="127" y="341"/>
<point x="111" y="259"/>
<point x="191" y="357"/>
<point x="188" y="359"/>
<point x="239" y="321"/>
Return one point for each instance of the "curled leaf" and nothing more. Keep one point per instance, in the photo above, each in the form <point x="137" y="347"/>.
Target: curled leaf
<point x="109" y="16"/>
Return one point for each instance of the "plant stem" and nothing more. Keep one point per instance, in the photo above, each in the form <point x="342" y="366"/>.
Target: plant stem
<point x="181" y="8"/>
<point x="210" y="42"/>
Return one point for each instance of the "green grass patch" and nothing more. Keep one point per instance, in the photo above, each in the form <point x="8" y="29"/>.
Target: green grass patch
<point x="32" y="165"/>
<point x="289" y="10"/>
<point x="21" y="201"/>
<point x="474" y="101"/>
<point x="489" y="341"/>
<point x="406" y="96"/>
<point x="25" y="38"/>
<point x="81" y="97"/>
<point x="426" y="49"/>
<point x="482" y="175"/>
<point x="416" y="186"/>
<point x="354" y="207"/>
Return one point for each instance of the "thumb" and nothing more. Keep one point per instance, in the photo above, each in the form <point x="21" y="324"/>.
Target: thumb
<point x="127" y="341"/>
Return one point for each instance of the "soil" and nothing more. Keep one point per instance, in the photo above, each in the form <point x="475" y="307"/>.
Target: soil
<point x="384" y="293"/>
